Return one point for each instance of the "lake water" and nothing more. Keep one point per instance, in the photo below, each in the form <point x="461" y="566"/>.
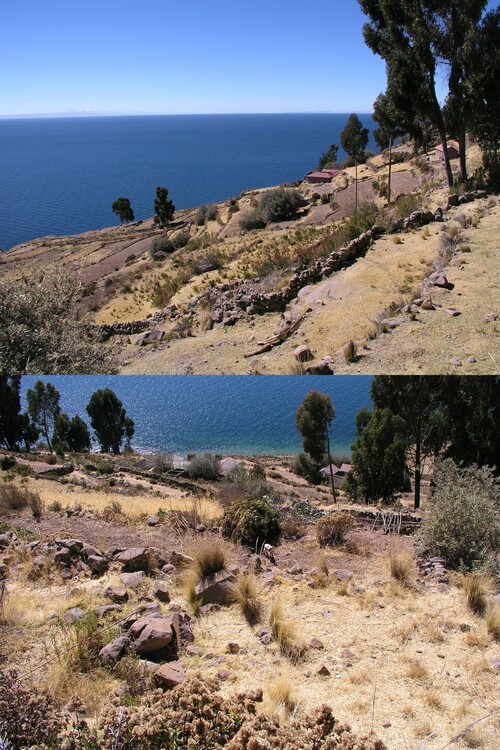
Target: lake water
<point x="235" y="415"/>
<point x="61" y="175"/>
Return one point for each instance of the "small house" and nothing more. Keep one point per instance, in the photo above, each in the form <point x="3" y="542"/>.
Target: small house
<point x="452" y="151"/>
<point x="318" y="177"/>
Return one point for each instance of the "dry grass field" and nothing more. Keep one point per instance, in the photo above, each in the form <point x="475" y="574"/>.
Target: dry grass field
<point x="391" y="651"/>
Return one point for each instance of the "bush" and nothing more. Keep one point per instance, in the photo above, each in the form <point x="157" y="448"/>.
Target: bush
<point x="306" y="467"/>
<point x="275" y="205"/>
<point x="206" y="212"/>
<point x="26" y="718"/>
<point x="7" y="462"/>
<point x="247" y="596"/>
<point x="209" y="558"/>
<point x="252" y="522"/>
<point x="331" y="530"/>
<point x="13" y="498"/>
<point x="477" y="587"/>
<point x="401" y="567"/>
<point x="204" y="467"/>
<point x="462" y="523"/>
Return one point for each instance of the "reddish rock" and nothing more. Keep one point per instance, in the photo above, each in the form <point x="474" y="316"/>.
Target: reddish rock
<point x="73" y="614"/>
<point x="156" y="635"/>
<point x="323" y="671"/>
<point x="161" y="592"/>
<point x="316" y="644"/>
<point x="180" y="560"/>
<point x="223" y="674"/>
<point x="170" y="675"/>
<point x="132" y="580"/>
<point x="113" y="651"/>
<point x="116" y="593"/>
<point x="217" y="588"/>
<point x="233" y="648"/>
<point x="135" y="558"/>
<point x="194" y="651"/>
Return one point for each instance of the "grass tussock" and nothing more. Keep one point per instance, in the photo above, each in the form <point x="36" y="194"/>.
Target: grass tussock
<point x="284" y="633"/>
<point x="209" y="557"/>
<point x="477" y="587"/>
<point x="493" y="621"/>
<point x="322" y="576"/>
<point x="416" y="670"/>
<point x="247" y="596"/>
<point x="401" y="567"/>
<point x="331" y="530"/>
<point x="281" y="694"/>
<point x="14" y="498"/>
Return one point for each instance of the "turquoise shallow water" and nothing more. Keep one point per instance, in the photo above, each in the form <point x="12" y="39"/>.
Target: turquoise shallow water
<point x="238" y="415"/>
<point x="60" y="176"/>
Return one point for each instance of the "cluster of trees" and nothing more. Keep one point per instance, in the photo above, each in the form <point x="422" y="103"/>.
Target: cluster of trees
<point x="419" y="41"/>
<point x="44" y="418"/>
<point x="415" y="420"/>
<point x="164" y="209"/>
<point x="278" y="204"/>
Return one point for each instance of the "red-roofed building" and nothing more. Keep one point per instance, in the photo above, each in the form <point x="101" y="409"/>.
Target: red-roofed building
<point x="317" y="176"/>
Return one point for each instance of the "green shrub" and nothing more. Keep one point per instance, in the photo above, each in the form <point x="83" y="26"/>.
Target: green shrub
<point x="206" y="212"/>
<point x="307" y="467"/>
<point x="14" y="498"/>
<point x="204" y="467"/>
<point x="251" y="221"/>
<point x="252" y="522"/>
<point x="278" y="204"/>
<point x="7" y="462"/>
<point x="462" y="523"/>
<point x="104" y="466"/>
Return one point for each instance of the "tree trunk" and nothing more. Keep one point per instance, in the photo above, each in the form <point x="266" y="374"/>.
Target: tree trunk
<point x="417" y="473"/>
<point x="462" y="148"/>
<point x="330" y="465"/>
<point x="439" y="122"/>
<point x="356" y="179"/>
<point x="390" y="172"/>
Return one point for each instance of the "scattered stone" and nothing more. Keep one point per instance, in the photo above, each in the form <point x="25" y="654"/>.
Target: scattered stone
<point x="217" y="588"/>
<point x="105" y="608"/>
<point x="168" y="568"/>
<point x="303" y="353"/>
<point x="455" y="362"/>
<point x="316" y="644"/>
<point x="322" y="367"/>
<point x="295" y="570"/>
<point x="132" y="580"/>
<point x="161" y="592"/>
<point x="97" y="564"/>
<point x="205" y="609"/>
<point x="73" y="614"/>
<point x="153" y="634"/>
<point x="223" y="674"/>
<point x="3" y="571"/>
<point x="346" y="654"/>
<point x="495" y="663"/>
<point x="387" y="724"/>
<point x="116" y="593"/>
<point x="180" y="560"/>
<point x="170" y="675"/>
<point x="323" y="671"/>
<point x="111" y="653"/>
<point x="134" y="559"/>
<point x="66" y="574"/>
<point x="490" y="318"/>
<point x="5" y="541"/>
<point x="343" y="574"/>
<point x="464" y="628"/>
<point x="451" y="311"/>
<point x="73" y="545"/>
<point x="62" y="557"/>
<point x="152" y="520"/>
<point x="149" y="337"/>
<point x="472" y="360"/>
<point x="233" y="648"/>
<point x="194" y="650"/>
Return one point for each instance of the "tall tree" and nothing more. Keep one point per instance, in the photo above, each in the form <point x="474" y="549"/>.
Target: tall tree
<point x="354" y="140"/>
<point x="314" y="418"/>
<point x="329" y="158"/>
<point x="419" y="401"/>
<point x="483" y="91"/>
<point x="71" y="434"/>
<point x="389" y="128"/>
<point x="402" y="32"/>
<point x="11" y="422"/>
<point x="109" y="421"/>
<point x="43" y="407"/>
<point x="378" y="457"/>
<point x="163" y="207"/>
<point x="123" y="209"/>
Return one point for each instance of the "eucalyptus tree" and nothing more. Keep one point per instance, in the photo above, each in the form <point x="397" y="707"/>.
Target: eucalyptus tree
<point x="314" y="418"/>
<point x="389" y="128"/>
<point x="354" y="140"/>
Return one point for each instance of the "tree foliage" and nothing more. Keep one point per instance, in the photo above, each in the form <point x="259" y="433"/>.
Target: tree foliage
<point x="378" y="457"/>
<point x="71" y="434"/>
<point x="109" y="421"/>
<point x="122" y="208"/>
<point x="164" y="209"/>
<point x="11" y="422"/>
<point x="329" y="157"/>
<point x="354" y="140"/>
<point x="313" y="419"/>
<point x="43" y="408"/>
<point x="42" y="330"/>
<point x="278" y="204"/>
<point x="389" y="128"/>
<point x="462" y="523"/>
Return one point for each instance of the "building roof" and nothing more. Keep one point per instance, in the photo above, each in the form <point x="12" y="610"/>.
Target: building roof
<point x="346" y="468"/>
<point x="326" y="469"/>
<point x="451" y="147"/>
<point x="324" y="174"/>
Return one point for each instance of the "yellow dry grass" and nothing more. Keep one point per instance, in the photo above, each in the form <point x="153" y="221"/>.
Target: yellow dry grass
<point x="134" y="506"/>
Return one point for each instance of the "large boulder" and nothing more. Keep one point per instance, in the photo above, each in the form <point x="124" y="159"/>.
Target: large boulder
<point x="132" y="580"/>
<point x="217" y="588"/>
<point x="152" y="634"/>
<point x="97" y="564"/>
<point x="135" y="558"/>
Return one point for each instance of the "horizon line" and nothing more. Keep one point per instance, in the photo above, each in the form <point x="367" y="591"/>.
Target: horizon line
<point x="83" y="114"/>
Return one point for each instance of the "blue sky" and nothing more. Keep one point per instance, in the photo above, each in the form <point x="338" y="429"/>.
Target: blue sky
<point x="189" y="56"/>
<point x="186" y="56"/>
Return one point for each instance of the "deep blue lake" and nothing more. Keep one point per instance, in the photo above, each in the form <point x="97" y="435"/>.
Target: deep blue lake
<point x="61" y="175"/>
<point x="235" y="415"/>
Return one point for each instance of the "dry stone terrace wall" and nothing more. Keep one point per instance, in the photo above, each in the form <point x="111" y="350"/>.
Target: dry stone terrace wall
<point x="231" y="301"/>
